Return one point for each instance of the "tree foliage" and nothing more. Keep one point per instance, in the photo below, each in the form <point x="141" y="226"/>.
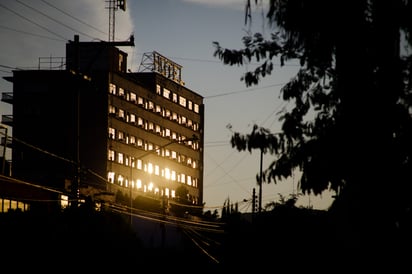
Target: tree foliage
<point x="350" y="129"/>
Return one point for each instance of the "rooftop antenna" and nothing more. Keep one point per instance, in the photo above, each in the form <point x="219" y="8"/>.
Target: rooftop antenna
<point x="114" y="5"/>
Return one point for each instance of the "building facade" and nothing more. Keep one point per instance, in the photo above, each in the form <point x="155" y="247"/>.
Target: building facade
<point x="92" y="128"/>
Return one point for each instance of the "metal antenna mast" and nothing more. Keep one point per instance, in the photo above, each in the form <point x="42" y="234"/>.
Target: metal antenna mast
<point x="114" y="5"/>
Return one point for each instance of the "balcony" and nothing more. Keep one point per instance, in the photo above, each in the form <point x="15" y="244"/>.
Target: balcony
<point x="7" y="97"/>
<point x="7" y="120"/>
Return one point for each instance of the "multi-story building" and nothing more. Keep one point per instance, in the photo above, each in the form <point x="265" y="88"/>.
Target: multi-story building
<point x="91" y="127"/>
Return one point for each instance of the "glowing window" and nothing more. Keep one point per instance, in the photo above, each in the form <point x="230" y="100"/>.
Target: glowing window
<point x="139" y="183"/>
<point x="157" y="170"/>
<point x="112" y="88"/>
<point x="110" y="155"/>
<point x="166" y="93"/>
<point x="196" y="108"/>
<point x="112" y="109"/>
<point x="121" y="92"/>
<point x="139" y="164"/>
<point x="167" y="173"/>
<point x="133" y="97"/>
<point x="112" y="133"/>
<point x="174" y="98"/>
<point x="110" y="177"/>
<point x="150" y="168"/>
<point x="120" y="159"/>
<point x="182" y="101"/>
<point x="173" y="175"/>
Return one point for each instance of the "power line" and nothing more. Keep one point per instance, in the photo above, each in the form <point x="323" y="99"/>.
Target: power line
<point x="55" y="20"/>
<point x="71" y="16"/>
<point x="32" y="34"/>
<point x="241" y="91"/>
<point x="31" y="21"/>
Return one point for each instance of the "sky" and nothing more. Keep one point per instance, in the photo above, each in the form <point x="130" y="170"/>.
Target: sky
<point x="183" y="31"/>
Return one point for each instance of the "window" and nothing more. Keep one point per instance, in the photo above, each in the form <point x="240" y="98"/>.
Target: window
<point x="110" y="177"/>
<point x="158" y="129"/>
<point x="140" y="122"/>
<point x="132" y="118"/>
<point x="112" y="133"/>
<point x="110" y="155"/>
<point x="182" y="101"/>
<point x="151" y="105"/>
<point x="121" y="92"/>
<point x="139" y="142"/>
<point x="112" y="89"/>
<point x="158" y="89"/>
<point x="196" y="108"/>
<point x="158" y="109"/>
<point x="166" y="93"/>
<point x="120" y="135"/>
<point x="140" y="101"/>
<point x="174" y="116"/>
<point x="121" y="113"/>
<point x="156" y="170"/>
<point x="174" y="97"/>
<point x="120" y="158"/>
<point x="132" y="140"/>
<point x="112" y="109"/>
<point x="133" y="97"/>
<point x="139" y="164"/>
<point x="190" y="105"/>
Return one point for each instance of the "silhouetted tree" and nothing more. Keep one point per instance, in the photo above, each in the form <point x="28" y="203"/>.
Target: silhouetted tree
<point x="350" y="129"/>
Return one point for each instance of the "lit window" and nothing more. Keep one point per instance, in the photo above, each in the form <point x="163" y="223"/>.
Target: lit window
<point x="182" y="101"/>
<point x="121" y="113"/>
<point x="150" y="187"/>
<point x="157" y="170"/>
<point x="133" y="97"/>
<point x="173" y="175"/>
<point x="132" y="140"/>
<point x="158" y="89"/>
<point x="139" y="164"/>
<point x="167" y="173"/>
<point x="112" y="88"/>
<point x="120" y="159"/>
<point x="111" y="155"/>
<point x="189" y="180"/>
<point x="112" y="109"/>
<point x="158" y="109"/>
<point x="112" y="133"/>
<point x="166" y="93"/>
<point x="110" y="177"/>
<point x="196" y="109"/>
<point x="139" y="183"/>
<point x="182" y="178"/>
<point x="121" y="92"/>
<point x="140" y="101"/>
<point x="140" y="122"/>
<point x="174" y="97"/>
<point x="151" y="105"/>
<point x="132" y="118"/>
<point x="150" y="168"/>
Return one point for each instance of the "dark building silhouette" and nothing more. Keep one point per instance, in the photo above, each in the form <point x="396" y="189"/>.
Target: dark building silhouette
<point x="89" y="127"/>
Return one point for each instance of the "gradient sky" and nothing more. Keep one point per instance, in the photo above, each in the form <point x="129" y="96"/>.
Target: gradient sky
<point x="183" y="31"/>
